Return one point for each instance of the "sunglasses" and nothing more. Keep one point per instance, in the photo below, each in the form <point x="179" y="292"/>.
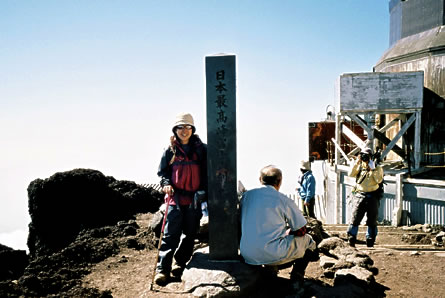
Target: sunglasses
<point x="188" y="127"/>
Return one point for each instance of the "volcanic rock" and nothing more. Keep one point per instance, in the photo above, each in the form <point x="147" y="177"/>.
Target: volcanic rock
<point x="68" y="202"/>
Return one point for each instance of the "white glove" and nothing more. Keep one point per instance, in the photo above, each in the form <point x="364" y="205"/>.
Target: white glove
<point x="205" y="211"/>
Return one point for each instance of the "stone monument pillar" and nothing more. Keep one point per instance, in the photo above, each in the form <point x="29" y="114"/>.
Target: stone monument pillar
<point x="221" y="156"/>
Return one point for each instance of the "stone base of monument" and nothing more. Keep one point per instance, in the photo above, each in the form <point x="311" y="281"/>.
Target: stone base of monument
<point x="347" y="272"/>
<point x="207" y="278"/>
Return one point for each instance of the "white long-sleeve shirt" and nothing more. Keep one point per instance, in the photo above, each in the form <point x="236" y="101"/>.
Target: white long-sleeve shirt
<point x="266" y="214"/>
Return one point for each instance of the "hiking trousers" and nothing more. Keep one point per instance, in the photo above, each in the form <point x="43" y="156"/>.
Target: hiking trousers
<point x="181" y="220"/>
<point x="369" y="203"/>
<point x="310" y="209"/>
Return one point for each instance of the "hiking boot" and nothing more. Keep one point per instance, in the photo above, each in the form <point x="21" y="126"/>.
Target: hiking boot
<point x="352" y="240"/>
<point x="369" y="242"/>
<point x="177" y="270"/>
<point x="270" y="271"/>
<point x="161" y="279"/>
<point x="312" y="255"/>
<point x="297" y="277"/>
<point x="297" y="284"/>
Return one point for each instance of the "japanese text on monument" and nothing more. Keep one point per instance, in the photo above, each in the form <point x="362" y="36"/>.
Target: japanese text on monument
<point x="221" y="105"/>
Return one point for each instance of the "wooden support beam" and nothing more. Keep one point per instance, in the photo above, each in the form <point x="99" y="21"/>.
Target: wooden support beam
<point x="352" y="136"/>
<point x="361" y="122"/>
<point x="382" y="138"/>
<point x="417" y="140"/>
<point x="398" y="136"/>
<point x="337" y="201"/>
<point x="398" y="208"/>
<point x="341" y="151"/>
<point x="389" y="124"/>
<point x="337" y="136"/>
<point x="358" y="149"/>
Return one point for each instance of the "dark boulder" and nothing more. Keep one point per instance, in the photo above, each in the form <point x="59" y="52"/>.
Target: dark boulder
<point x="12" y="263"/>
<point x="68" y="202"/>
<point x="315" y="229"/>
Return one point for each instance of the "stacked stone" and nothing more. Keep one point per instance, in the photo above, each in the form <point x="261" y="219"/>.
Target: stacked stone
<point x="346" y="264"/>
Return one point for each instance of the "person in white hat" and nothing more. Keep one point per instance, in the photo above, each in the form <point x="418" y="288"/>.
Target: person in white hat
<point x="183" y="173"/>
<point x="306" y="191"/>
<point x="366" y="196"/>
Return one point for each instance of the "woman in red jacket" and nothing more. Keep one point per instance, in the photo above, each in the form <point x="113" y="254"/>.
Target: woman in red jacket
<point x="183" y="172"/>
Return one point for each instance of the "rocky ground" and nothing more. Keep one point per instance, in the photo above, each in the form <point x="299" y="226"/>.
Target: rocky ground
<point x="113" y="255"/>
<point x="118" y="261"/>
<point x="406" y="269"/>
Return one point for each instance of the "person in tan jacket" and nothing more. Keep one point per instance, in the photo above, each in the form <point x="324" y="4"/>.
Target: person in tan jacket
<point x="366" y="196"/>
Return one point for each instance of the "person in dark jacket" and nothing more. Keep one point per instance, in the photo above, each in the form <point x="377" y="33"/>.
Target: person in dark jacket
<point x="183" y="173"/>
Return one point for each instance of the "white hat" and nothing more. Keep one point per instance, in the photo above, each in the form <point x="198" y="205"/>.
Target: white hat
<point x="366" y="150"/>
<point x="184" y="119"/>
<point x="305" y="165"/>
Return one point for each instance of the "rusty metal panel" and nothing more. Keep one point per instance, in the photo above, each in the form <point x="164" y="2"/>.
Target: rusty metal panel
<point x="379" y="92"/>
<point x="320" y="135"/>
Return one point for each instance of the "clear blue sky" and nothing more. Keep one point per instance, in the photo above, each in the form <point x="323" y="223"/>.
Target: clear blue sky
<point x="97" y="84"/>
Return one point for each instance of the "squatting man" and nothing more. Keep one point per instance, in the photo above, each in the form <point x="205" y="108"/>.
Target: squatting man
<point x="273" y="231"/>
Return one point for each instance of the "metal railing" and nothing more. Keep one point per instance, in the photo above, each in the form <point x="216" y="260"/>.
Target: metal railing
<point x="434" y="154"/>
<point x="320" y="205"/>
<point x="155" y="186"/>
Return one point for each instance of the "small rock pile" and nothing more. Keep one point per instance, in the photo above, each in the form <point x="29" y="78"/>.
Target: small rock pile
<point x="430" y="234"/>
<point x="340" y="261"/>
<point x="439" y="239"/>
